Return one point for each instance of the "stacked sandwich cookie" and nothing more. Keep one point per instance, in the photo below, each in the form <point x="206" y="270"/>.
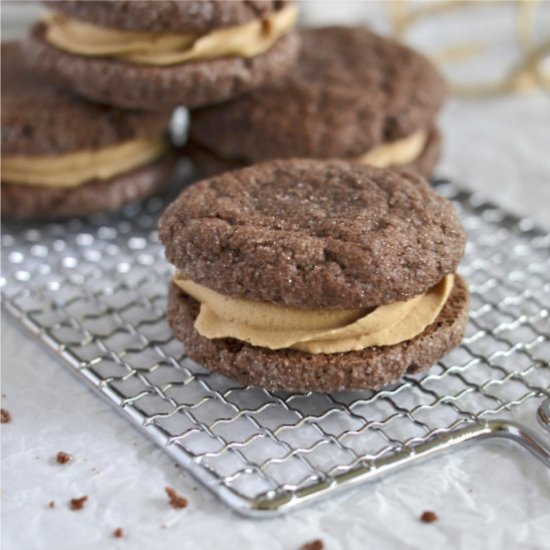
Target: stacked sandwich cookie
<point x="352" y="95"/>
<point x="63" y="156"/>
<point x="315" y="275"/>
<point x="154" y="55"/>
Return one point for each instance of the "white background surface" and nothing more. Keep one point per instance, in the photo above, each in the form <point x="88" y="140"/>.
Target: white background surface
<point x="491" y="495"/>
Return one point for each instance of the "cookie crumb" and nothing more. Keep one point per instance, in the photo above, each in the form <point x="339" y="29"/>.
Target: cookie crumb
<point x="62" y="457"/>
<point x="78" y="503"/>
<point x="118" y="533"/>
<point x="316" y="544"/>
<point x="5" y="416"/>
<point x="175" y="500"/>
<point x="51" y="504"/>
<point x="428" y="517"/>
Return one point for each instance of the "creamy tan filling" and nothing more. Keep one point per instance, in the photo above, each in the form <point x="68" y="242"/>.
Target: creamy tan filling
<point x="78" y="168"/>
<point x="315" y="331"/>
<point x="158" y="48"/>
<point x="395" y="153"/>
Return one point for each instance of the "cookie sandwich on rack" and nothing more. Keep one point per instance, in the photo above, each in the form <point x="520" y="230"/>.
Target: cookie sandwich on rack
<point x="153" y="55"/>
<point x="353" y="95"/>
<point x="315" y="275"/>
<point x="63" y="156"/>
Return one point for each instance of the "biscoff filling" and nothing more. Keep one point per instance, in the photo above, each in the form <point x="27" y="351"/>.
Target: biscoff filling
<point x="315" y="330"/>
<point x="74" y="169"/>
<point x="396" y="153"/>
<point x="162" y="48"/>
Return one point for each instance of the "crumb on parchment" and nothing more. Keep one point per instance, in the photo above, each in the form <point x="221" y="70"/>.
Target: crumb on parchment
<point x="428" y="516"/>
<point x="176" y="500"/>
<point x="78" y="503"/>
<point x="5" y="416"/>
<point x="63" y="458"/>
<point x="316" y="544"/>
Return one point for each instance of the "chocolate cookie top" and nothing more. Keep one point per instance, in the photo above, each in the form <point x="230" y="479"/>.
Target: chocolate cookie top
<point x="350" y="91"/>
<point x="314" y="234"/>
<point x="40" y="119"/>
<point x="196" y="16"/>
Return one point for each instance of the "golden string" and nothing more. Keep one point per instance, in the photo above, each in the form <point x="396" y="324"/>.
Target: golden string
<point x="526" y="75"/>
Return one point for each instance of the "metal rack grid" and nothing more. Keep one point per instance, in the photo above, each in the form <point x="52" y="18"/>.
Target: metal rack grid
<point x="94" y="291"/>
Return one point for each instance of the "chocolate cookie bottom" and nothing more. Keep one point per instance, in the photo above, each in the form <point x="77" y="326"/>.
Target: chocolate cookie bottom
<point x="207" y="163"/>
<point x="28" y="202"/>
<point x="293" y="370"/>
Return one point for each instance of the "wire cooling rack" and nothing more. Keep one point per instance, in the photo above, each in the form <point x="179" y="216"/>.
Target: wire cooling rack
<point x="94" y="291"/>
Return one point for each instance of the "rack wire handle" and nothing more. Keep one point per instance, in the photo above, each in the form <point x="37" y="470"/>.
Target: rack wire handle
<point x="544" y="413"/>
<point x="473" y="432"/>
<point x="526" y="438"/>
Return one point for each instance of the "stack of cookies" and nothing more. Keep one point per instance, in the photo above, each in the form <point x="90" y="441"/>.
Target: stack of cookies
<point x="64" y="156"/>
<point x="86" y="100"/>
<point x="316" y="257"/>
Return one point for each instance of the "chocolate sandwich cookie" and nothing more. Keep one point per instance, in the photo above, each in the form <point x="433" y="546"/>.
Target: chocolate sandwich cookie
<point x="152" y="55"/>
<point x="353" y="95"/>
<point x="63" y="156"/>
<point x="315" y="275"/>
